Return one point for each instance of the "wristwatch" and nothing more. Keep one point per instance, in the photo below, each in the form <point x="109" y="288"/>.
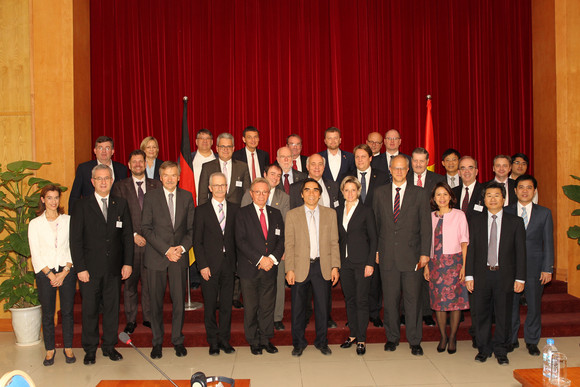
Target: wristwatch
<point x="66" y="268"/>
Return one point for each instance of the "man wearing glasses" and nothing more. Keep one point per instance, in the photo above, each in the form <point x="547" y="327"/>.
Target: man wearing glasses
<point x="236" y="172"/>
<point x="289" y="174"/>
<point x="468" y="193"/>
<point x="294" y="142"/>
<point x="520" y="163"/>
<point x="392" y="144"/>
<point x="375" y="142"/>
<point x="203" y="154"/>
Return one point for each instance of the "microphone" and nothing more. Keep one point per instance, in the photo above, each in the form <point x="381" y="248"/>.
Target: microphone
<point x="124" y="337"/>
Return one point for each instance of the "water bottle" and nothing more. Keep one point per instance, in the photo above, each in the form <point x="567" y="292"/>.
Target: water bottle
<point x="547" y="357"/>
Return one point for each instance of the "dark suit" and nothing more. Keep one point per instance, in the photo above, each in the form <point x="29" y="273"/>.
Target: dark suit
<point x="239" y="183"/>
<point x="510" y="192"/>
<point x="303" y="161"/>
<point x="360" y="239"/>
<point x="161" y="235"/>
<point x="262" y="158"/>
<point x="380" y="162"/>
<point x="475" y="198"/>
<point x="375" y="180"/>
<point x="295" y="177"/>
<point x="126" y="189"/>
<point x="539" y="258"/>
<point x="400" y="246"/>
<point x="494" y="290"/>
<point x="296" y="199"/>
<point x="217" y="251"/>
<point x="82" y="185"/>
<point x="102" y="248"/>
<point x="346" y="166"/>
<point x="258" y="286"/>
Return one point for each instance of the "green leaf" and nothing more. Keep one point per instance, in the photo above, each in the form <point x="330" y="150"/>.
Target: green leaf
<point x="2" y="221"/>
<point x="572" y="192"/>
<point x="574" y="232"/>
<point x="20" y="166"/>
<point x="37" y="180"/>
<point x="575" y="177"/>
<point x="576" y="212"/>
<point x="19" y="243"/>
<point x="29" y="278"/>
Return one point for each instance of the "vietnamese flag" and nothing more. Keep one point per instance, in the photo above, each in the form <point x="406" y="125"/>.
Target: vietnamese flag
<point x="186" y="177"/>
<point x="430" y="137"/>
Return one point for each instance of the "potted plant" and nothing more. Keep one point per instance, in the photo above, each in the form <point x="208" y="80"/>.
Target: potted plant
<point x="19" y="197"/>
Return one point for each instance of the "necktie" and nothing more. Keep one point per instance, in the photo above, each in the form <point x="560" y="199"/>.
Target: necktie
<point x="452" y="181"/>
<point x="465" y="203"/>
<point x="140" y="193"/>
<point x="419" y="182"/>
<point x="313" y="235"/>
<point x="221" y="217"/>
<point x="390" y="160"/>
<point x="363" y="183"/>
<point x="507" y="193"/>
<point x="492" y="247"/>
<point x="525" y="216"/>
<point x="396" y="207"/>
<point x="286" y="184"/>
<point x="253" y="167"/>
<point x="294" y="164"/>
<point x="225" y="172"/>
<point x="171" y="210"/>
<point x="105" y="208"/>
<point x="263" y="223"/>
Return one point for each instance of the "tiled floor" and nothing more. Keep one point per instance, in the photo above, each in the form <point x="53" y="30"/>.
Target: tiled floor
<point x="342" y="368"/>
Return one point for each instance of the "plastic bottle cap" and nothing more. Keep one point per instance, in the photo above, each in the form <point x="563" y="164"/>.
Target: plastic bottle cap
<point x="550" y="341"/>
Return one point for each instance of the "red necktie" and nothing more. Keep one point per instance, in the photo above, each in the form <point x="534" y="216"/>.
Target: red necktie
<point x="465" y="202"/>
<point x="294" y="164"/>
<point x="263" y="223"/>
<point x="419" y="182"/>
<point x="286" y="184"/>
<point x="253" y="167"/>
<point x="396" y="207"/>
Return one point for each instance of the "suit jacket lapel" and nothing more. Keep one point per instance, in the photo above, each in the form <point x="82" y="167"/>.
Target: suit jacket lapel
<point x="97" y="207"/>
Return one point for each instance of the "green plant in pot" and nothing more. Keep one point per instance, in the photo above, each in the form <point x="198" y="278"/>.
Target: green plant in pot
<point x="572" y="191"/>
<point x="19" y="197"/>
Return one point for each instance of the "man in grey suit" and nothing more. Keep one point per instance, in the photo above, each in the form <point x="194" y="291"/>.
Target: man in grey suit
<point x="167" y="225"/>
<point x="236" y="172"/>
<point x="540" y="261"/>
<point x="279" y="200"/>
<point x="289" y="175"/>
<point x="133" y="190"/>
<point x="403" y="218"/>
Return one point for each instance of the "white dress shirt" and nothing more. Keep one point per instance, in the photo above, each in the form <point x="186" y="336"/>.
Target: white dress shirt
<point x="324" y="195"/>
<point x="471" y="188"/>
<point x="317" y="231"/>
<point x="110" y="167"/>
<point x="528" y="208"/>
<point x="258" y="213"/>
<point x="256" y="163"/>
<point x="423" y="176"/>
<point x="452" y="183"/>
<point x="507" y="190"/>
<point x="390" y="157"/>
<point x="401" y="194"/>
<point x="298" y="163"/>
<point x="367" y="178"/>
<point x="229" y="174"/>
<point x="143" y="186"/>
<point x="334" y="162"/>
<point x="346" y="219"/>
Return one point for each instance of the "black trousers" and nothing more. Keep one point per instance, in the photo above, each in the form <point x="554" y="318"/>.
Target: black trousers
<point x="259" y="300"/>
<point x="375" y="293"/>
<point x="47" y="298"/>
<point x="130" y="292"/>
<point x="321" y="292"/>
<point x="102" y="290"/>
<point x="355" y="287"/>
<point x="489" y="297"/>
<point x="177" y="284"/>
<point x="219" y="289"/>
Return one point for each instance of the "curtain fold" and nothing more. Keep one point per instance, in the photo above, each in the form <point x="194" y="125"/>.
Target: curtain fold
<point x="301" y="66"/>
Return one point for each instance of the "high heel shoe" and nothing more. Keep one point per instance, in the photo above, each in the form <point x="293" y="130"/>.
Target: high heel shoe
<point x="68" y="359"/>
<point x="48" y="362"/>
<point x="348" y="343"/>
<point x="452" y="351"/>
<point x="442" y="349"/>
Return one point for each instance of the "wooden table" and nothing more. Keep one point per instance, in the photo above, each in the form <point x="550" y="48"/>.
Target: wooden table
<point x="160" y="383"/>
<point x="533" y="377"/>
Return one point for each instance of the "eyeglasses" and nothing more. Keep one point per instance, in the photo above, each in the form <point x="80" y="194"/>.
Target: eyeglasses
<point x="225" y="147"/>
<point x="284" y="157"/>
<point x="101" y="148"/>
<point x="294" y="144"/>
<point x="374" y="142"/>
<point x="204" y="138"/>
<point x="219" y="185"/>
<point x="471" y="168"/>
<point x="100" y="179"/>
<point x="393" y="138"/>
<point x="261" y="192"/>
<point x="399" y="169"/>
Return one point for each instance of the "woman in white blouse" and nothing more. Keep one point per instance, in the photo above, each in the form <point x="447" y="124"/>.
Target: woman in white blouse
<point x="48" y="235"/>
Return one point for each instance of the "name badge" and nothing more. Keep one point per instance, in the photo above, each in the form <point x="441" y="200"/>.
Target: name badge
<point x="277" y="232"/>
<point x="336" y="203"/>
<point x="238" y="183"/>
<point x="119" y="224"/>
<point x="478" y="207"/>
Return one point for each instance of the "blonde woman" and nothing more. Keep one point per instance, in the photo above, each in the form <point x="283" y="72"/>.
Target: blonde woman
<point x="150" y="146"/>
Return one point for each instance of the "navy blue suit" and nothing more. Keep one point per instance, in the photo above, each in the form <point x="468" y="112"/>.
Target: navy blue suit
<point x="82" y="185"/>
<point x="346" y="166"/>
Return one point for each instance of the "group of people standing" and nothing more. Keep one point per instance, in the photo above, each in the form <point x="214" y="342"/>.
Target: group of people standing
<point x="391" y="231"/>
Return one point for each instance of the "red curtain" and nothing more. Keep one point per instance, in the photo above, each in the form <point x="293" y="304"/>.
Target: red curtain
<point x="301" y="66"/>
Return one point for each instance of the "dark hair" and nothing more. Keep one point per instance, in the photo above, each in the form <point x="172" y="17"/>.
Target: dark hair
<point x="137" y="152"/>
<point x="452" y="199"/>
<point x="272" y="166"/>
<point x="310" y="180"/>
<point x="250" y="129"/>
<point x="525" y="177"/>
<point x="293" y="135"/>
<point x="420" y="151"/>
<point x="450" y="151"/>
<point x="332" y="129"/>
<point x="102" y="139"/>
<point x="204" y="131"/>
<point x="521" y="155"/>
<point x="364" y="147"/>
<point x="46" y="189"/>
<point x="494" y="184"/>
<point x="509" y="159"/>
<point x="468" y="158"/>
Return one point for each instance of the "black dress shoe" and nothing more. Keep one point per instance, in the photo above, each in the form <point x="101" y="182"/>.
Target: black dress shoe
<point x="348" y="343"/>
<point x="442" y="345"/>
<point x="390" y="346"/>
<point x="270" y="348"/>
<point x="69" y="360"/>
<point x="376" y="322"/>
<point x="89" y="358"/>
<point x="502" y="359"/>
<point x="416" y="350"/>
<point x="428" y="320"/>
<point x="157" y="352"/>
<point x="227" y="348"/>
<point x="48" y="362"/>
<point x="112" y="354"/>
<point x="214" y="350"/>
<point x="324" y="349"/>
<point x="180" y="350"/>
<point x="130" y="327"/>
<point x="279" y="326"/>
<point x="533" y="349"/>
<point x="402" y="319"/>
<point x="237" y="304"/>
<point x="510" y="347"/>
<point x="147" y="324"/>
<point x="481" y="357"/>
<point x="256" y="349"/>
<point x="297" y="351"/>
<point x="361" y="349"/>
<point x="331" y="323"/>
